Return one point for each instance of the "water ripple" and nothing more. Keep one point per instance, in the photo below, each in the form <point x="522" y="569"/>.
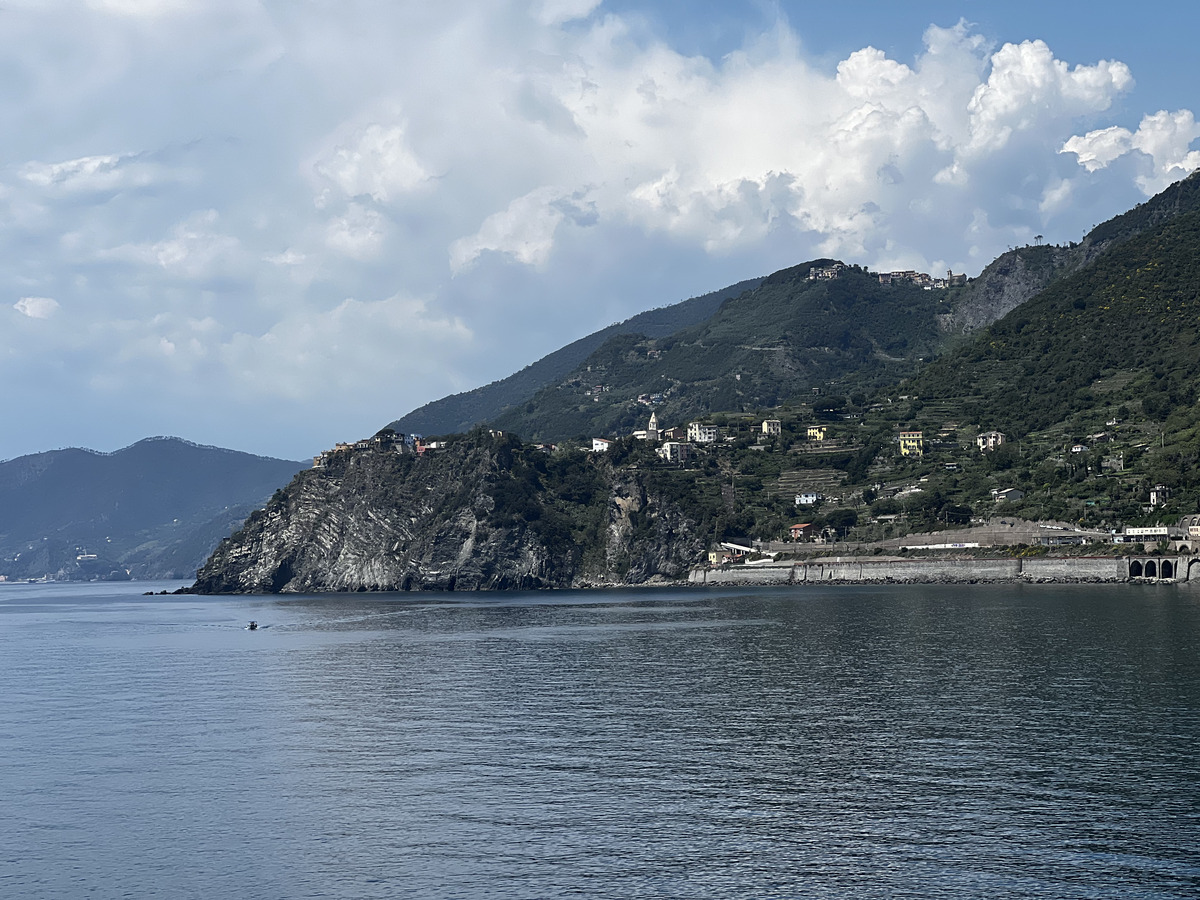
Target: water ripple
<point x="905" y="742"/>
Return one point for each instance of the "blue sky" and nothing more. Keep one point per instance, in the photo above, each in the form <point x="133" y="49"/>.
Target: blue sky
<point x="273" y="225"/>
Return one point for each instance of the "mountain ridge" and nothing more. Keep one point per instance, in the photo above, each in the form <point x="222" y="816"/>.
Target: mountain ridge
<point x="462" y="411"/>
<point x="147" y="510"/>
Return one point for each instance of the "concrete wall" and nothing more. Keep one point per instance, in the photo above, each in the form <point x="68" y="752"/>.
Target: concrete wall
<point x="1092" y="569"/>
<point x="911" y="570"/>
<point x="1087" y="568"/>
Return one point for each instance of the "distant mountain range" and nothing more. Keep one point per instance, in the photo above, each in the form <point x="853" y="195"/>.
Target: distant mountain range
<point x="155" y="509"/>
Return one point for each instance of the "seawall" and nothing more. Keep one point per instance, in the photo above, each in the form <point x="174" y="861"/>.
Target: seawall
<point x="1036" y="569"/>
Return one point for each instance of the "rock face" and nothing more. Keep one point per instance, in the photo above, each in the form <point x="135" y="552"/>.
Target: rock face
<point x="1005" y="284"/>
<point x="1019" y="275"/>
<point x="480" y="514"/>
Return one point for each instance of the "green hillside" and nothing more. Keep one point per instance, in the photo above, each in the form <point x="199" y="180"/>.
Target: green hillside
<point x="462" y="412"/>
<point x="1094" y="381"/>
<point x="1123" y="331"/>
<point x="764" y="341"/>
<point x="758" y="350"/>
<point x="1105" y="359"/>
<point x="1023" y="272"/>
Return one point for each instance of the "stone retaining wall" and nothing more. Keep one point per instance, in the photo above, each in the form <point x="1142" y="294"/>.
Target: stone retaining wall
<point x="1091" y="569"/>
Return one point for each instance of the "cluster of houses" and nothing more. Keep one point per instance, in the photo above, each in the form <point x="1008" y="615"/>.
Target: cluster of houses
<point x="385" y="441"/>
<point x="913" y="443"/>
<point x="390" y="441"/>
<point x="675" y="445"/>
<point x="923" y="279"/>
<point x="676" y="442"/>
<point x="920" y="279"/>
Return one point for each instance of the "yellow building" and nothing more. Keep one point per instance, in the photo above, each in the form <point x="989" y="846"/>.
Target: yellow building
<point x="817" y="432"/>
<point x="912" y="443"/>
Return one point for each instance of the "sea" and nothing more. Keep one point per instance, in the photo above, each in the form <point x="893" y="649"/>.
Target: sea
<point x="999" y="741"/>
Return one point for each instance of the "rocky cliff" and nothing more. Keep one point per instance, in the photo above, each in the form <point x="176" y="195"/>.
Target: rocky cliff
<point x="1022" y="273"/>
<point x="482" y="513"/>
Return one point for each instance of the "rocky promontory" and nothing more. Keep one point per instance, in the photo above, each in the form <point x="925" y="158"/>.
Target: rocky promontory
<point x="480" y="512"/>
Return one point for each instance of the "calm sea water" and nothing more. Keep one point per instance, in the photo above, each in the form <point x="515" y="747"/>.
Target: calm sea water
<point x="992" y="741"/>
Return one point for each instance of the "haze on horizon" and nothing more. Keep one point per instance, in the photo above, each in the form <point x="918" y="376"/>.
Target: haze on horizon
<point x="270" y="226"/>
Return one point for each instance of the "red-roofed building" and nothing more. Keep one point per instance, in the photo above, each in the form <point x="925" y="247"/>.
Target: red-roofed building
<point x="802" y="532"/>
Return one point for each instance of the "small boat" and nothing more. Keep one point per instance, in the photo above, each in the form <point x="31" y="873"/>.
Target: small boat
<point x="253" y="626"/>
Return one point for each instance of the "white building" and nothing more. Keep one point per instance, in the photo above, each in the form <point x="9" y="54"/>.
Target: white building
<point x="1150" y="535"/>
<point x="809" y="498"/>
<point x="990" y="440"/>
<point x="772" y="426"/>
<point x="698" y="433"/>
<point x="673" y="451"/>
<point x="600" y="445"/>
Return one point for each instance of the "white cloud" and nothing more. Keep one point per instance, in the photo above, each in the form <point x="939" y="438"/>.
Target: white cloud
<point x="556" y="12"/>
<point x="725" y="155"/>
<point x="359" y="234"/>
<point x="202" y="184"/>
<point x="194" y="250"/>
<point x="1027" y="87"/>
<point x="524" y="230"/>
<point x="288" y="257"/>
<point x="374" y="161"/>
<point x="1163" y="140"/>
<point x="1096" y="149"/>
<point x="106" y="173"/>
<point x="36" y="307"/>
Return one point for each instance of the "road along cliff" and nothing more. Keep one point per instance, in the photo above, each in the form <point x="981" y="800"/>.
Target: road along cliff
<point x="482" y="512"/>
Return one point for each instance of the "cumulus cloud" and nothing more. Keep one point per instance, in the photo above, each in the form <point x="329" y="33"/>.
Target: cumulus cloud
<point x="195" y="249"/>
<point x="1162" y="140"/>
<point x="358" y="234"/>
<point x="98" y="174"/>
<point x="1027" y="87"/>
<point x="36" y="307"/>
<point x="524" y="230"/>
<point x="203" y="185"/>
<point x="374" y="161"/>
<point x="725" y="154"/>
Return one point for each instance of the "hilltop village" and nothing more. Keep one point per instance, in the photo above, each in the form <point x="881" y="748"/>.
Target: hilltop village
<point x="896" y="476"/>
<point x="907" y="276"/>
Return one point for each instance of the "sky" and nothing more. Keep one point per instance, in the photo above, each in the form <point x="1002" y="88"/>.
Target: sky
<point x="271" y="225"/>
